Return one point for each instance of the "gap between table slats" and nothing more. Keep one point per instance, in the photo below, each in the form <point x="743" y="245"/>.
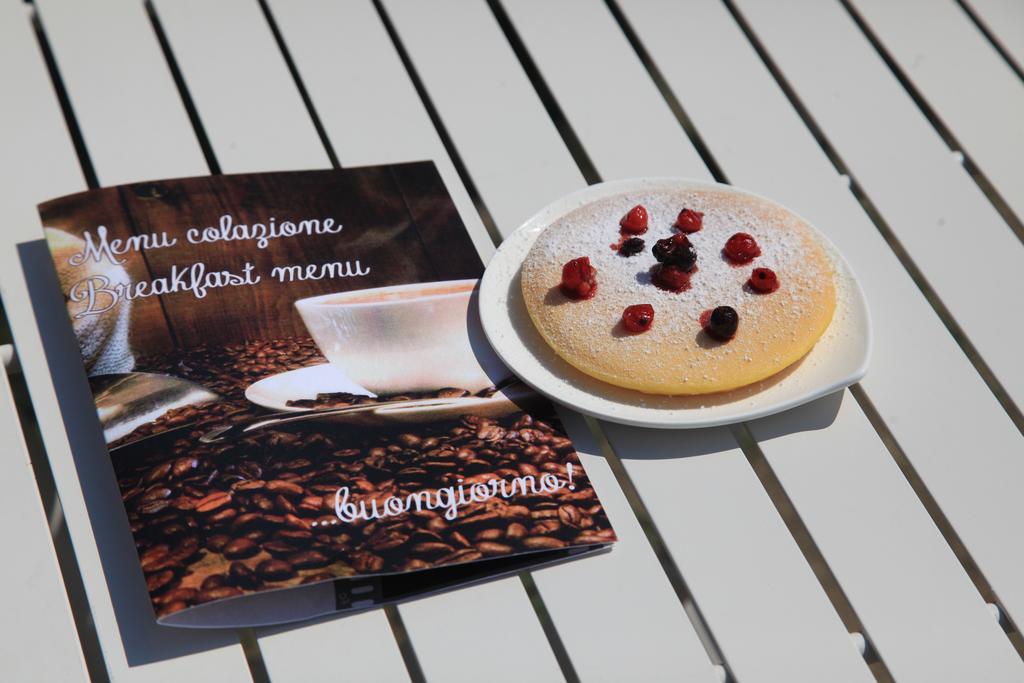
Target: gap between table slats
<point x="442" y="65"/>
<point x="961" y="84"/>
<point x="646" y="617"/>
<point x="214" y="90"/>
<point x="1002" y="22"/>
<point x="576" y="29"/>
<point x="947" y="415"/>
<point x="47" y="166"/>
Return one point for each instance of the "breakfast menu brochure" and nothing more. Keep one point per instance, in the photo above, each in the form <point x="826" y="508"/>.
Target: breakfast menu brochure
<point x="300" y="408"/>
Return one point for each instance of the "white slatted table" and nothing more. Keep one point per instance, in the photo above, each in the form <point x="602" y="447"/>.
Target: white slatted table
<point x="747" y="553"/>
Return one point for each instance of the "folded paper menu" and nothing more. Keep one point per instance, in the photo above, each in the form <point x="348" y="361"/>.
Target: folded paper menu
<point x="301" y="410"/>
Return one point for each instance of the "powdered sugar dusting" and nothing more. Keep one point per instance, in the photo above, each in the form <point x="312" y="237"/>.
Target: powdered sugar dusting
<point x="786" y="245"/>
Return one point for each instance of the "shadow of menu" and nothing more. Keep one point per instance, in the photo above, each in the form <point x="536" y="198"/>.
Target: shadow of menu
<point x="144" y="641"/>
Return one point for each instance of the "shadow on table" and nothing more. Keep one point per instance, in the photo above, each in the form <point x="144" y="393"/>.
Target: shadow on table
<point x="144" y="641"/>
<point x="637" y="443"/>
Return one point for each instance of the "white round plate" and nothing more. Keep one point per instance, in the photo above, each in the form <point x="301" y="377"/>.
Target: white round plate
<point x="839" y="359"/>
<point x="275" y="391"/>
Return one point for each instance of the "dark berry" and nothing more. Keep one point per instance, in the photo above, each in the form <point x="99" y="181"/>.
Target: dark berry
<point x="722" y="323"/>
<point x="631" y="247"/>
<point x="579" y="279"/>
<point x="669" y="277"/>
<point x="763" y="280"/>
<point x="741" y="248"/>
<point x="675" y="251"/>
<point x="638" y="318"/>
<point x="635" y="222"/>
<point x="689" y="221"/>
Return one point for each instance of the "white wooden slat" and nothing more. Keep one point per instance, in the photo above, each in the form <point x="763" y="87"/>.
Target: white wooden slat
<point x="942" y="415"/>
<point x="460" y="636"/>
<point x="109" y="103"/>
<point x="964" y="80"/>
<point x="513" y="107"/>
<point x="504" y="168"/>
<point x="282" y="649"/>
<point x="359" y="647"/>
<point x="331" y="43"/>
<point x="39" y="162"/>
<point x="43" y="644"/>
<point x="1004" y="19"/>
<point x="970" y="635"/>
<point x="770" y="626"/>
<point x="760" y="142"/>
<point x="932" y="205"/>
<point x="343" y="48"/>
<point x="923" y="614"/>
<point x="218" y="76"/>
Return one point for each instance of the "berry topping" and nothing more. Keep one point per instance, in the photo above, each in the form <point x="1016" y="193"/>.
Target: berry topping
<point x="722" y="323"/>
<point x="668" y="277"/>
<point x="631" y="247"/>
<point x="635" y="222"/>
<point x="741" y="248"/>
<point x="689" y="221"/>
<point x="579" y="279"/>
<point x="638" y="318"/>
<point x="763" y="280"/>
<point x="676" y="251"/>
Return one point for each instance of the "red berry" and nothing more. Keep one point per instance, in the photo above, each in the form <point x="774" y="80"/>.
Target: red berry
<point x="677" y="251"/>
<point x="671" y="278"/>
<point x="638" y="318"/>
<point x="763" y="280"/>
<point x="689" y="221"/>
<point x="722" y="323"/>
<point x="741" y="248"/>
<point x="579" y="279"/>
<point x="635" y="222"/>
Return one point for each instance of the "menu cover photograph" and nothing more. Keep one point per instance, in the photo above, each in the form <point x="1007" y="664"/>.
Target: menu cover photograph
<point x="299" y="403"/>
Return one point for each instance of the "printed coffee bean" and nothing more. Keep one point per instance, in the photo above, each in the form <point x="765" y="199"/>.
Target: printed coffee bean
<point x="491" y="549"/>
<point x="308" y="559"/>
<point x="458" y="539"/>
<point x="242" y="576"/>
<point x="489" y="535"/>
<point x="294" y="536"/>
<point x="275" y="489"/>
<point x="279" y="548"/>
<point x="463" y="555"/>
<point x="217" y="593"/>
<point x="240" y="548"/>
<point x="171" y="608"/>
<point x="158" y="473"/>
<point x="184" y="466"/>
<point x="217" y="542"/>
<point x="186" y="595"/>
<point x="542" y="543"/>
<point x="213" y="501"/>
<point x="275" y="570"/>
<point x="159" y="580"/>
<point x="222" y="516"/>
<point x="284" y="487"/>
<point x="431" y="548"/>
<point x="152" y="558"/>
<point x="515" y="531"/>
<point x="365" y="562"/>
<point x="213" y="581"/>
<point x="153" y="507"/>
<point x="545" y="526"/>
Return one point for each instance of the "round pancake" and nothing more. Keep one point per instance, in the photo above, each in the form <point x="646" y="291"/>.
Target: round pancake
<point x="676" y="356"/>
